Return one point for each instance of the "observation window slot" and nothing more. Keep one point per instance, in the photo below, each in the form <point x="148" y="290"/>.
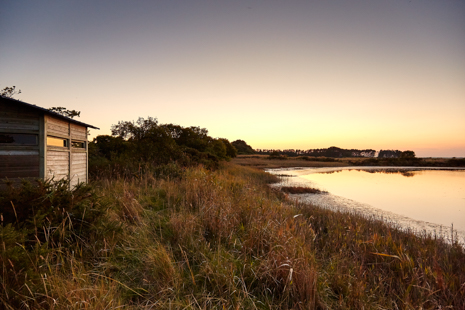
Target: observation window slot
<point x="18" y="139"/>
<point x="78" y="144"/>
<point x="60" y="142"/>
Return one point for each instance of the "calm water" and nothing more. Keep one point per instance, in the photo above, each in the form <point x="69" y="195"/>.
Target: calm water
<point x="423" y="199"/>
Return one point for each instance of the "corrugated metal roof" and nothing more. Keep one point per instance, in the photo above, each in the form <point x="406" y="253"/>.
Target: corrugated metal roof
<point x="46" y="111"/>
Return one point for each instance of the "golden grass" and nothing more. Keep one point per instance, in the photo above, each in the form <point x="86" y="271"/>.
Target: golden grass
<point x="301" y="190"/>
<point x="262" y="162"/>
<point x="224" y="240"/>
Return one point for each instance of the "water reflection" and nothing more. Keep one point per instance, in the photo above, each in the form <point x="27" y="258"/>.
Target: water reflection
<point x="429" y="197"/>
<point x="404" y="172"/>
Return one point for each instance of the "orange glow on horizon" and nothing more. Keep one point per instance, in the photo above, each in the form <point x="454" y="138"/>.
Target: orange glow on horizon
<point x="301" y="75"/>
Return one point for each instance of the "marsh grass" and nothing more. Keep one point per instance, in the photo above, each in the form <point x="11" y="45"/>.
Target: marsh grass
<point x="379" y="263"/>
<point x="301" y="190"/>
<point x="197" y="239"/>
<point x="265" y="162"/>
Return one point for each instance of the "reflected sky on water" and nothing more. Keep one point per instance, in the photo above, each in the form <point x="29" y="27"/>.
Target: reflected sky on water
<point x="431" y="196"/>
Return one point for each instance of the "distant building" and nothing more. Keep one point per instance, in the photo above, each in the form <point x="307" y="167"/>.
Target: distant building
<point x="38" y="143"/>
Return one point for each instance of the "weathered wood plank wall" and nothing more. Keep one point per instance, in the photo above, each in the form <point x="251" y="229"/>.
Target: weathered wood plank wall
<point x="57" y="164"/>
<point x="78" y="132"/>
<point x="19" y="164"/>
<point x="57" y="127"/>
<point x="78" y="167"/>
<point x="74" y="163"/>
<point x="19" y="161"/>
<point x="18" y="119"/>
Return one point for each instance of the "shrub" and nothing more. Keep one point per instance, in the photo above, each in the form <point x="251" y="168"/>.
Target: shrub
<point x="40" y="223"/>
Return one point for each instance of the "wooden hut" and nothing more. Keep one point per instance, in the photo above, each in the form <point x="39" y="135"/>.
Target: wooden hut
<point x="38" y="143"/>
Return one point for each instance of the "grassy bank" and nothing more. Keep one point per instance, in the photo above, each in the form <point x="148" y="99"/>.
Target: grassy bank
<point x="199" y="239"/>
<point x="265" y="162"/>
<point x="270" y="162"/>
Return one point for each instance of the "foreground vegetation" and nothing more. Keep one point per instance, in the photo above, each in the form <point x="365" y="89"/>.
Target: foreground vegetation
<point x="192" y="238"/>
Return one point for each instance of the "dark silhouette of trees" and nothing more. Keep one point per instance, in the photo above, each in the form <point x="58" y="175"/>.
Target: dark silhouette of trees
<point x="389" y="154"/>
<point x="134" y="144"/>
<point x="134" y="129"/>
<point x="65" y="112"/>
<point x="242" y="147"/>
<point x="333" y="152"/>
<point x="231" y="151"/>
<point x="9" y="92"/>
<point x="407" y="154"/>
<point x="217" y="148"/>
<point x="108" y="146"/>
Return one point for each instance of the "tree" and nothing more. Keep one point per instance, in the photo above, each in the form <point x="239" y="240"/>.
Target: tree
<point x="190" y="137"/>
<point x="9" y="92"/>
<point x="134" y="130"/>
<point x="156" y="145"/>
<point x="242" y="147"/>
<point x="231" y="151"/>
<point x="407" y="154"/>
<point x="389" y="154"/>
<point x="216" y="147"/>
<point x="147" y="140"/>
<point x="65" y="112"/>
<point x="109" y="146"/>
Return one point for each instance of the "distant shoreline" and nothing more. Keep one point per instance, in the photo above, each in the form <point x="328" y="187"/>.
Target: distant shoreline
<point x="267" y="162"/>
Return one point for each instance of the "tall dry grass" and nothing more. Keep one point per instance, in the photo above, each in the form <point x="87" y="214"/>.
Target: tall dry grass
<point x="264" y="162"/>
<point x="223" y="239"/>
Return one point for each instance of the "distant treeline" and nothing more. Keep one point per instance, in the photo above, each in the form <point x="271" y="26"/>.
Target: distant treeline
<point x="336" y="152"/>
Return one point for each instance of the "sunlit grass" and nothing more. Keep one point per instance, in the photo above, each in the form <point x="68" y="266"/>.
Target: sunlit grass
<point x="301" y="190"/>
<point x="264" y="162"/>
<point x="200" y="239"/>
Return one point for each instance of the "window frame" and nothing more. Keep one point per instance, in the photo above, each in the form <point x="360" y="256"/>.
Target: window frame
<point x="64" y="140"/>
<point x="14" y="143"/>
<point x="83" y="147"/>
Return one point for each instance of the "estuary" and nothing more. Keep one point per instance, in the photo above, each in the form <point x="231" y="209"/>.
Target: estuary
<point x="431" y="199"/>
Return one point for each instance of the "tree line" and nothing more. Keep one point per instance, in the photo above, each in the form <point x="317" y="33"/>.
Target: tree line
<point x="336" y="152"/>
<point x="145" y="142"/>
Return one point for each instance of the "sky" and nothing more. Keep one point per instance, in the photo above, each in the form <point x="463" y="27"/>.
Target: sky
<point x="292" y="74"/>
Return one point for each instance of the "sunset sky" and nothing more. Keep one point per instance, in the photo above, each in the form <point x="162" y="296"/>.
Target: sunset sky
<point x="381" y="74"/>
